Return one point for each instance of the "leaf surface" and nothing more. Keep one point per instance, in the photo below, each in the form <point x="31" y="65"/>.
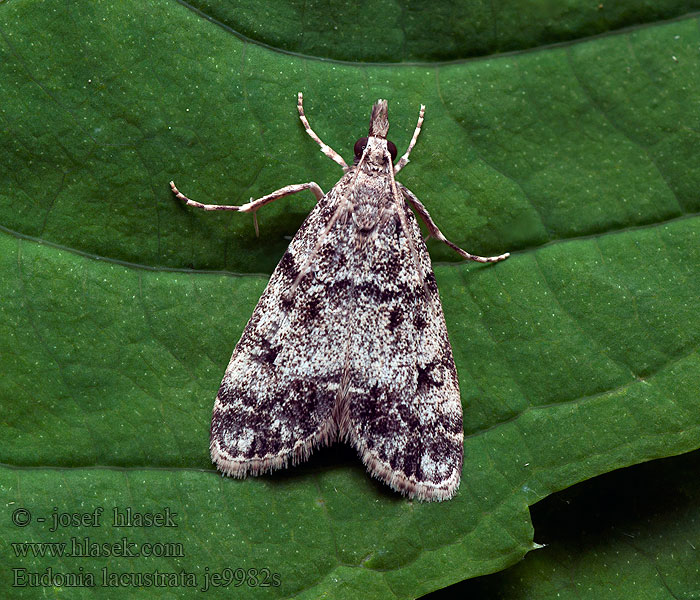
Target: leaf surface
<point x="120" y="307"/>
<point x="629" y="534"/>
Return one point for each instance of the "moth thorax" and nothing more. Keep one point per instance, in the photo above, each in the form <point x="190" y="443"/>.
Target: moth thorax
<point x="365" y="217"/>
<point x="370" y="196"/>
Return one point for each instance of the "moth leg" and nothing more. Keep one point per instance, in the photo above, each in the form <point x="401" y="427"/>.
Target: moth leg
<point x="327" y="150"/>
<point x="437" y="234"/>
<point x="254" y="205"/>
<point x="403" y="161"/>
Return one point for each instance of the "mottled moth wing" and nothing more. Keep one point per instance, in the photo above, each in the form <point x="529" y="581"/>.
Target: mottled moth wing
<point x="276" y="400"/>
<point x="402" y="410"/>
<point x="357" y="348"/>
<point x="348" y="341"/>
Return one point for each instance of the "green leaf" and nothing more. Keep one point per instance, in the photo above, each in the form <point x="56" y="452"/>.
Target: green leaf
<point x="414" y="30"/>
<point x="120" y="307"/>
<point x="630" y="534"/>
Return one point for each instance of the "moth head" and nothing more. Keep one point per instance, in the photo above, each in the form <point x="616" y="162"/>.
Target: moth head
<point x="375" y="146"/>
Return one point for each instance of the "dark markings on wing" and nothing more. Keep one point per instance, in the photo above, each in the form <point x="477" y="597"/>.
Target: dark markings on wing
<point x="355" y="349"/>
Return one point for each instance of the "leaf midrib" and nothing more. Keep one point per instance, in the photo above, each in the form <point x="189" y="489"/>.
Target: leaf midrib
<point x="467" y="59"/>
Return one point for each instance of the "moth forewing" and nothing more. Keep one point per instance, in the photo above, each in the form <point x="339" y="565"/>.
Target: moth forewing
<point x="348" y="341"/>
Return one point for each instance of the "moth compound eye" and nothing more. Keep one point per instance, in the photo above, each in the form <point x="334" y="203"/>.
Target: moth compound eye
<point x="360" y="146"/>
<point x="392" y="150"/>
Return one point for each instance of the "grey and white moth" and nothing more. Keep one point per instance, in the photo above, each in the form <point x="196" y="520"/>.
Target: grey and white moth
<point x="348" y="341"/>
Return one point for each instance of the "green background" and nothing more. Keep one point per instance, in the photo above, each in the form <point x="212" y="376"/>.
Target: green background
<point x="565" y="132"/>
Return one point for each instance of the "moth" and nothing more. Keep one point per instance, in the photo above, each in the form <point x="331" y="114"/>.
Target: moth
<point x="348" y="341"/>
